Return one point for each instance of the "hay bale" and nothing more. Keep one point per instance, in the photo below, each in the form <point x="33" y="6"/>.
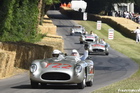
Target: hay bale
<point x="47" y="29"/>
<point x="7" y="63"/>
<point x="55" y="41"/>
<point x="47" y="26"/>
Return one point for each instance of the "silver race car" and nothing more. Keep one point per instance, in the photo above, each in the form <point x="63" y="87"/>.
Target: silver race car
<point x="77" y="29"/>
<point x="97" y="48"/>
<point x="64" y="71"/>
<point x="87" y="38"/>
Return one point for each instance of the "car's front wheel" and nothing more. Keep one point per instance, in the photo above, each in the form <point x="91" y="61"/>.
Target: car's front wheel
<point x="89" y="83"/>
<point x="107" y="53"/>
<point x="81" y="42"/>
<point x="71" y="34"/>
<point x="34" y="84"/>
<point x="82" y="84"/>
<point x="89" y="53"/>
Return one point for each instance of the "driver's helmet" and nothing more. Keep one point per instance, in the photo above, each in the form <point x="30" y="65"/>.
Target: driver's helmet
<point x="75" y="53"/>
<point x="56" y="53"/>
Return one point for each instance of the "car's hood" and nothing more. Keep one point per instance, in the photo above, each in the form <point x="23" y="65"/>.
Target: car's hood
<point x="57" y="64"/>
<point x="89" y="37"/>
<point x="94" y="45"/>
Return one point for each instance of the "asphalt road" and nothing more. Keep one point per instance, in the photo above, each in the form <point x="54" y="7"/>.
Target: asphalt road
<point x="108" y="69"/>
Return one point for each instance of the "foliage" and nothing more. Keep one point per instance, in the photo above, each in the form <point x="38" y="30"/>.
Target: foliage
<point x="50" y="2"/>
<point x="65" y="1"/>
<point x="19" y="20"/>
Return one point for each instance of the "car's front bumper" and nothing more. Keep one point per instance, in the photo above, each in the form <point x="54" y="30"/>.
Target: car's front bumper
<point x="57" y="77"/>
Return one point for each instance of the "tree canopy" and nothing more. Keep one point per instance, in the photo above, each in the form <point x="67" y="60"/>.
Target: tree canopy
<point x="50" y="2"/>
<point x="19" y="19"/>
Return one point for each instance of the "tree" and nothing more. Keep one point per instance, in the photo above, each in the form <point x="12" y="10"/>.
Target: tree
<point x="18" y="20"/>
<point x="43" y="6"/>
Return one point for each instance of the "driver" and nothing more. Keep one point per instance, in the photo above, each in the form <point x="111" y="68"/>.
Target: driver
<point x="55" y="53"/>
<point x="58" y="54"/>
<point x="76" y="54"/>
<point x="102" y="41"/>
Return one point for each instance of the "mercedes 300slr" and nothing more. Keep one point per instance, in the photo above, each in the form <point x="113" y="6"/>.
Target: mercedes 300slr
<point x="88" y="38"/>
<point x="64" y="71"/>
<point x="97" y="48"/>
<point x="77" y="29"/>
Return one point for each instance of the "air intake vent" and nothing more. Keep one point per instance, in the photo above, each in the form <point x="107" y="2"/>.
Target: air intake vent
<point x="55" y="76"/>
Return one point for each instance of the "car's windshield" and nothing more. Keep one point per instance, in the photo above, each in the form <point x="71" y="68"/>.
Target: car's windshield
<point x="72" y="58"/>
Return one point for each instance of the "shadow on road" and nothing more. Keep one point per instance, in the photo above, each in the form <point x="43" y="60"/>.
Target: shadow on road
<point x="49" y="86"/>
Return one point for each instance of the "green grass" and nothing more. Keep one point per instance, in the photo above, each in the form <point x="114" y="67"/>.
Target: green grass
<point x="124" y="45"/>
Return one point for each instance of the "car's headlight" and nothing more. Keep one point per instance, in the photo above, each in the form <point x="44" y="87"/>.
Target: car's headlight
<point x="78" y="69"/>
<point x="33" y="68"/>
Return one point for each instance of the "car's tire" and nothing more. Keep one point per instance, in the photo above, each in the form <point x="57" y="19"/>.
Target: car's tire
<point x="82" y="84"/>
<point x="34" y="84"/>
<point x="89" y="83"/>
<point x="89" y="53"/>
<point x="107" y="53"/>
<point x="81" y="42"/>
<point x="71" y="34"/>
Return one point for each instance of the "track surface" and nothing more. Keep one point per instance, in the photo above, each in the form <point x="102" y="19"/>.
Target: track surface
<point x="108" y="69"/>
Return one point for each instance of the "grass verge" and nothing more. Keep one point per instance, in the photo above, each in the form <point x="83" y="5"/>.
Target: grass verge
<point x="125" y="46"/>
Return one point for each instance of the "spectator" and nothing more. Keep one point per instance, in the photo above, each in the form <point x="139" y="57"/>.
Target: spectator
<point x="116" y="14"/>
<point x="127" y="15"/>
<point x="119" y="14"/>
<point x="137" y="31"/>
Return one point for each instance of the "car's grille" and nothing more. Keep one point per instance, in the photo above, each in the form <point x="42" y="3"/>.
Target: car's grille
<point x="77" y="32"/>
<point x="98" y="50"/>
<point x="55" y="76"/>
<point x="89" y="40"/>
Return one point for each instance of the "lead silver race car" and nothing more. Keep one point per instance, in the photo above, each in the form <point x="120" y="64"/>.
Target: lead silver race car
<point x="77" y="29"/>
<point x="64" y="71"/>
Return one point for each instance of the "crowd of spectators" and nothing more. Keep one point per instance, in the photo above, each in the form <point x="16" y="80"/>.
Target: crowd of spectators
<point x="128" y="15"/>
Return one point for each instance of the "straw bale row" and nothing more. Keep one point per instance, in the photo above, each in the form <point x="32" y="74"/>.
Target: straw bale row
<point x="55" y="41"/>
<point x="47" y="26"/>
<point x="7" y="63"/>
<point x="26" y="52"/>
